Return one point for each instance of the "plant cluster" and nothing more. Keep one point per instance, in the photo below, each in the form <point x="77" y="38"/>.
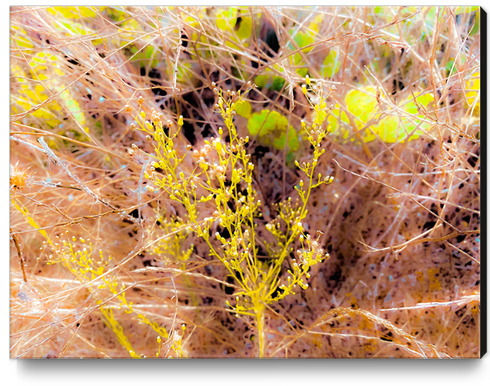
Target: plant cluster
<point x="220" y="180"/>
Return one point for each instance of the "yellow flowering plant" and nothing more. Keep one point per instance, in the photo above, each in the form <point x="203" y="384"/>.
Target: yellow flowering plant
<point x="227" y="184"/>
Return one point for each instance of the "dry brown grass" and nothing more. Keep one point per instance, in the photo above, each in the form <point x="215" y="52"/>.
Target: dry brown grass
<point x="401" y="220"/>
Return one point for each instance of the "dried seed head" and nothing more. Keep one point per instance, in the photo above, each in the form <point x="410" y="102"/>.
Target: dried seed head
<point x="18" y="177"/>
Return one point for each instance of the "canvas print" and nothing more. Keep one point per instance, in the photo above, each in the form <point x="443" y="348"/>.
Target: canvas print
<point x="245" y="182"/>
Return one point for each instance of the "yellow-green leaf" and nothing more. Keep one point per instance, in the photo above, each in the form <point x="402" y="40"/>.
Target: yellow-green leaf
<point x="293" y="140"/>
<point x="261" y="80"/>
<point x="304" y="39"/>
<point x="73" y="12"/>
<point x="272" y="126"/>
<point x="361" y="104"/>
<point x="266" y="121"/>
<point x="314" y="25"/>
<point x="245" y="28"/>
<point x="331" y="64"/>
<point x="226" y="18"/>
<point x="334" y="126"/>
<point x="244" y="109"/>
<point x="472" y="90"/>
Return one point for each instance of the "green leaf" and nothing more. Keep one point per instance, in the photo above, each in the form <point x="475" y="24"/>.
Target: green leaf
<point x="280" y="142"/>
<point x="361" y="104"/>
<point x="315" y="24"/>
<point x="73" y="12"/>
<point x="476" y="24"/>
<point x="74" y="27"/>
<point x="304" y="39"/>
<point x="277" y="83"/>
<point x="430" y="17"/>
<point x="264" y="122"/>
<point x="245" y="29"/>
<point x="388" y="130"/>
<point x="261" y="80"/>
<point x="423" y="100"/>
<point x="298" y="61"/>
<point x="244" y="109"/>
<point x="226" y="18"/>
<point x="449" y="66"/>
<point x="271" y="123"/>
<point x="331" y="64"/>
<point x="473" y="18"/>
<point x="302" y="72"/>
<point x="333" y="122"/>
<point x="293" y="141"/>
<point x="116" y="14"/>
<point x="392" y="129"/>
<point x="184" y="71"/>
<point x="148" y="53"/>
